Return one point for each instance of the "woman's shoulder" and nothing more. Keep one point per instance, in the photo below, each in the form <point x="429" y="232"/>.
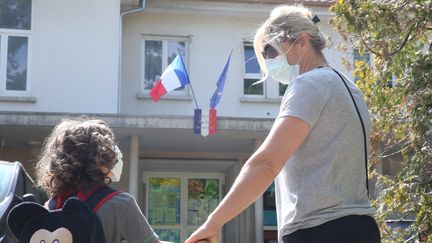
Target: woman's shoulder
<point x="321" y="74"/>
<point x="324" y="80"/>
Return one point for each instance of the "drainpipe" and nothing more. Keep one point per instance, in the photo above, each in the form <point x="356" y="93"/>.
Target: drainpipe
<point x="140" y="8"/>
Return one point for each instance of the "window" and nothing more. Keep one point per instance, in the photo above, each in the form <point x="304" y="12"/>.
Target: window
<point x="15" y="29"/>
<point x="282" y="88"/>
<point x="157" y="55"/>
<point x="269" y="201"/>
<point x="270" y="220"/>
<point x="360" y="60"/>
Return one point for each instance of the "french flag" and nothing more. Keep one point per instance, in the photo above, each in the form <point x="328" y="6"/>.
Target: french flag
<point x="174" y="76"/>
<point x="205" y="122"/>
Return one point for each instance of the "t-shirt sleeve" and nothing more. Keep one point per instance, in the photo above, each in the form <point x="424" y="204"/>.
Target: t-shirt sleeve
<point x="137" y="229"/>
<point x="304" y="100"/>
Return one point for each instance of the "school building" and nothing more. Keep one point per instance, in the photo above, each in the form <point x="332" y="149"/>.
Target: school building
<point x="100" y="58"/>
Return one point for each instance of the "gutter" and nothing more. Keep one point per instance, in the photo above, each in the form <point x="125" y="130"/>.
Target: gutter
<point x="140" y="8"/>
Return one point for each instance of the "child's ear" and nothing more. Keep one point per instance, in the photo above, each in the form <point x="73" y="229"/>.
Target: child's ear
<point x="23" y="213"/>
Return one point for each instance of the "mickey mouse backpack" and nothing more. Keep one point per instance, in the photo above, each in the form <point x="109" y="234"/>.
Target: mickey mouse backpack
<point x="72" y="220"/>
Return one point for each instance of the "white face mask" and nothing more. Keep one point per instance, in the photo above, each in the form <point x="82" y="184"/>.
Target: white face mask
<point x="280" y="70"/>
<point x="118" y="167"/>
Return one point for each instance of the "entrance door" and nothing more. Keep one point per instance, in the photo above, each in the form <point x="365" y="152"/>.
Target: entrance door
<point x="178" y="203"/>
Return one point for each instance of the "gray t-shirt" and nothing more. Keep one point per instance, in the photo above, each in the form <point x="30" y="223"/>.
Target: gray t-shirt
<point x="122" y="219"/>
<point x="325" y="178"/>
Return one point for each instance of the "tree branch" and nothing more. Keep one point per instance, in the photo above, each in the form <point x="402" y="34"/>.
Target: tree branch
<point x="363" y="41"/>
<point x="405" y="41"/>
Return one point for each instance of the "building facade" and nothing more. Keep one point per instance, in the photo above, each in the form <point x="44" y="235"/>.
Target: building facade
<point x="100" y="58"/>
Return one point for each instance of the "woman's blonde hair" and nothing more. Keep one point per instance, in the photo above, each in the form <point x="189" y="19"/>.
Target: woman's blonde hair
<point x="287" y="23"/>
<point x="73" y="155"/>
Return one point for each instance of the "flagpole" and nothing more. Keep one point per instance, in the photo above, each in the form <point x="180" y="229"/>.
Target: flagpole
<point x="187" y="75"/>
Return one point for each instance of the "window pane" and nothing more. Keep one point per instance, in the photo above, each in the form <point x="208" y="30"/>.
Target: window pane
<point x="173" y="50"/>
<point x="282" y="88"/>
<point x="171" y="235"/>
<point x="250" y="89"/>
<point x="15" y="14"/>
<point x="164" y="201"/>
<point x="365" y="57"/>
<point x="153" y="63"/>
<point x="270" y="206"/>
<point x="202" y="200"/>
<point x="251" y="63"/>
<point x="17" y="63"/>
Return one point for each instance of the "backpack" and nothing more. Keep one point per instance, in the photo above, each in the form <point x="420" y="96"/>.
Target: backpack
<point x="70" y="219"/>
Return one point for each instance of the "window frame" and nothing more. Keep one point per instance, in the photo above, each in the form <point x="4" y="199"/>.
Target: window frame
<point x="4" y="44"/>
<point x="165" y="39"/>
<point x="4" y="39"/>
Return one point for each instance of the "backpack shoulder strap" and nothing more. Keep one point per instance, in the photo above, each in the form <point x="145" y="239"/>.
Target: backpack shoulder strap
<point x="100" y="196"/>
<point x="95" y="200"/>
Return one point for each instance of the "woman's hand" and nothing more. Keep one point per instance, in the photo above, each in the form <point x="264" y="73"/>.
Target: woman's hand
<point x="207" y="233"/>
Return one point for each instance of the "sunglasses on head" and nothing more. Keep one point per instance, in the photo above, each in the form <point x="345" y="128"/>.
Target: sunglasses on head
<point x="269" y="52"/>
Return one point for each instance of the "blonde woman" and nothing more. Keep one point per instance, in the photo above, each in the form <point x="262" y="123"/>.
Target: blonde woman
<point x="316" y="151"/>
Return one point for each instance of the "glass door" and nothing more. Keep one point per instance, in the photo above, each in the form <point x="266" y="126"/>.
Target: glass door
<point x="164" y="207"/>
<point x="178" y="203"/>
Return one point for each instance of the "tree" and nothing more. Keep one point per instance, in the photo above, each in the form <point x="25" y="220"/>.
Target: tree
<point x="398" y="90"/>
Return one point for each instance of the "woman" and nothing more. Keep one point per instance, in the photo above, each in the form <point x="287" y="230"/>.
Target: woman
<point x="316" y="148"/>
<point x="80" y="157"/>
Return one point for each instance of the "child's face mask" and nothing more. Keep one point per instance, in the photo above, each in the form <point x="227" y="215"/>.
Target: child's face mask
<point x="118" y="167"/>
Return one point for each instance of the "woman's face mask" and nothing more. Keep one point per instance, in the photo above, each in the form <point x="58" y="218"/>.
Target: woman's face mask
<point x="280" y="70"/>
<point x="277" y="65"/>
<point x="118" y="167"/>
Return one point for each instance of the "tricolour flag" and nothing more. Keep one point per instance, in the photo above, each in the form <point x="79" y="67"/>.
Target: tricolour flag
<point x="205" y="122"/>
<point x="174" y="76"/>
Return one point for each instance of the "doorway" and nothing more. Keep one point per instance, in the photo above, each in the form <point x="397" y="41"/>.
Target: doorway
<point x="177" y="203"/>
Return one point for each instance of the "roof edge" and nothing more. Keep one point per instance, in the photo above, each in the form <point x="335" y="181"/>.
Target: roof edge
<point x="316" y="3"/>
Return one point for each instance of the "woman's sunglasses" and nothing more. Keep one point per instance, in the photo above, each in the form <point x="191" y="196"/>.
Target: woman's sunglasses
<point x="269" y="52"/>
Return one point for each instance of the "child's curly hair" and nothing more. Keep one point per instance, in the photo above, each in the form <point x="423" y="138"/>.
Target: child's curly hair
<point x="73" y="157"/>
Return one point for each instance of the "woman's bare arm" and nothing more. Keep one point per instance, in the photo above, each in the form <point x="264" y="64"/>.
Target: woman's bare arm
<point x="259" y="171"/>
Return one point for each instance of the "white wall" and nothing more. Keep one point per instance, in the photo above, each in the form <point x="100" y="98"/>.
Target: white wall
<point x="213" y="36"/>
<point x="75" y="50"/>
